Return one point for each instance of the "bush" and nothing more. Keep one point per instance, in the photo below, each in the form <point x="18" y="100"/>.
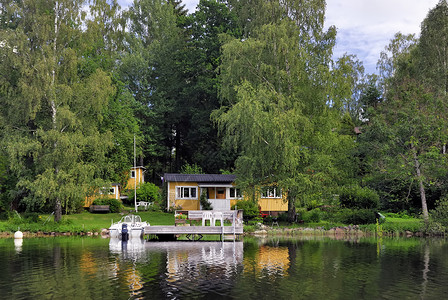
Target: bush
<point x="356" y="216"/>
<point x="440" y="213"/>
<point x="255" y="221"/>
<point x="312" y="216"/>
<point x="147" y="192"/>
<point x="283" y="217"/>
<point x="115" y="205"/>
<point x="31" y="217"/>
<point x="358" y="197"/>
<point x="250" y="208"/>
<point x="205" y="204"/>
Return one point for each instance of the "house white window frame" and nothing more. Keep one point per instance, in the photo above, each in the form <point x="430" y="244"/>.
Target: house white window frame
<point x="270" y="192"/>
<point x="180" y="192"/>
<point x="133" y="173"/>
<point x="107" y="190"/>
<point x="237" y="193"/>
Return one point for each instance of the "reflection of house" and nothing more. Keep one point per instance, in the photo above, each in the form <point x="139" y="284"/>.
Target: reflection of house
<point x="115" y="191"/>
<point x="184" y="190"/>
<point x="217" y="260"/>
<point x="272" y="260"/>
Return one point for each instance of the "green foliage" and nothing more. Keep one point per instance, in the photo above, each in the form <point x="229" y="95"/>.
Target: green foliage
<point x="406" y="135"/>
<point x="358" y="197"/>
<point x="440" y="213"/>
<point x="191" y="169"/>
<point x="356" y="216"/>
<point x="250" y="208"/>
<point x="59" y="138"/>
<point x="115" y="205"/>
<point x="255" y="220"/>
<point x="205" y="204"/>
<point x="281" y="72"/>
<point x="312" y="216"/>
<point x="147" y="192"/>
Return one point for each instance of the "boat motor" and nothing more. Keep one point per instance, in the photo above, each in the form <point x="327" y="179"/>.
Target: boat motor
<point x="124" y="232"/>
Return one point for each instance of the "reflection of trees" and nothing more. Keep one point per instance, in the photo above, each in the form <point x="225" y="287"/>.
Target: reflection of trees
<point x="284" y="269"/>
<point x="325" y="268"/>
<point x="425" y="272"/>
<point x="57" y="268"/>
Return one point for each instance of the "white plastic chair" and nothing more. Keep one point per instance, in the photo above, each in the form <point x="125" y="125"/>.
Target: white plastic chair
<point x="207" y="215"/>
<point x="218" y="216"/>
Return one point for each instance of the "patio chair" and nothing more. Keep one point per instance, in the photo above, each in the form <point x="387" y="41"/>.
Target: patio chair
<point x="207" y="215"/>
<point x="218" y="216"/>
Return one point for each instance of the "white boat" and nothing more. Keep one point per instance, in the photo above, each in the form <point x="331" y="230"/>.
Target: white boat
<point x="134" y="224"/>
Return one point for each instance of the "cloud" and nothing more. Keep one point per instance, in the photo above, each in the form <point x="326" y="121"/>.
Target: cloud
<point x="365" y="27"/>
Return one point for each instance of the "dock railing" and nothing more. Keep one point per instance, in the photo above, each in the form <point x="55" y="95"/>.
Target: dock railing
<point x="234" y="216"/>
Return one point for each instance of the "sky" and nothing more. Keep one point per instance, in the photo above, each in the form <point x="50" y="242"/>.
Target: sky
<point x="365" y="27"/>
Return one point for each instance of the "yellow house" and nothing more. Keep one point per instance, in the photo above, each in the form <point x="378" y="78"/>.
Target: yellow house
<point x="136" y="176"/>
<point x="112" y="192"/>
<point x="184" y="191"/>
<point x="115" y="191"/>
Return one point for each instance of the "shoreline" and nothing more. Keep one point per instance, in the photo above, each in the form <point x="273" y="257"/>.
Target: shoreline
<point x="261" y="231"/>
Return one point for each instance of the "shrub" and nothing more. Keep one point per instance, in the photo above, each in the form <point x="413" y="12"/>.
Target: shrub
<point x="356" y="216"/>
<point x="205" y="204"/>
<point x="312" y="216"/>
<point x="358" y="197"/>
<point x="255" y="221"/>
<point x="31" y="217"/>
<point x="147" y="192"/>
<point x="283" y="217"/>
<point x="114" y="204"/>
<point x="440" y="213"/>
<point x="250" y="208"/>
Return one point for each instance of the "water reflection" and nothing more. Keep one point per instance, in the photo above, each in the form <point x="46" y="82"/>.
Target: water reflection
<point x="133" y="249"/>
<point x="294" y="268"/>
<point x="129" y="253"/>
<point x="18" y="245"/>
<point x="199" y="268"/>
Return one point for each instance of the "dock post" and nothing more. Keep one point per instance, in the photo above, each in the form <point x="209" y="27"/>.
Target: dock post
<point x="233" y="223"/>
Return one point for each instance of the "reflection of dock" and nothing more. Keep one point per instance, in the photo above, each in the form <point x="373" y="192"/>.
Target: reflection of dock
<point x="199" y="263"/>
<point x="194" y="230"/>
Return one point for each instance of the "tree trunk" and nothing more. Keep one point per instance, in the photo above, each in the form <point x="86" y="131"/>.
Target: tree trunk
<point x="421" y="186"/>
<point x="57" y="210"/>
<point x="291" y="208"/>
<point x="57" y="201"/>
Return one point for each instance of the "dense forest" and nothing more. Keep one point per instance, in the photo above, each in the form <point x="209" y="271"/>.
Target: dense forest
<point x="246" y="87"/>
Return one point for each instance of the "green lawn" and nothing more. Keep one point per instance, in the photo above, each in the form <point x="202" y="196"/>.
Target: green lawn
<point x="103" y="220"/>
<point x="94" y="222"/>
<point x="83" y="222"/>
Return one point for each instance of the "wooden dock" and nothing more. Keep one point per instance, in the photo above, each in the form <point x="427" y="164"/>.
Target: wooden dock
<point x="235" y="217"/>
<point x="194" y="231"/>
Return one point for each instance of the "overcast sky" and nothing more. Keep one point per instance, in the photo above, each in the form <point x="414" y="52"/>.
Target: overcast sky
<point x="365" y="27"/>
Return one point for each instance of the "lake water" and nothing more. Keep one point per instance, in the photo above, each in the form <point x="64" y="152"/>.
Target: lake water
<point x="301" y="268"/>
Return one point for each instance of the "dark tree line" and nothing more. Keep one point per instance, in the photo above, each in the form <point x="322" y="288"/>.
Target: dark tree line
<point x="249" y="87"/>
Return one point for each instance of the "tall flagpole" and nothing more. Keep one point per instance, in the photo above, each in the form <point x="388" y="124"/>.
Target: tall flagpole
<point x="135" y="178"/>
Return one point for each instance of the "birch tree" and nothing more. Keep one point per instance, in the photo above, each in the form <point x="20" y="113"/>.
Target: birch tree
<point x="277" y="110"/>
<point x="52" y="114"/>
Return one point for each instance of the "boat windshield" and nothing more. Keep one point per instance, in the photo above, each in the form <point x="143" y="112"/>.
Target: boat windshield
<point x="131" y="219"/>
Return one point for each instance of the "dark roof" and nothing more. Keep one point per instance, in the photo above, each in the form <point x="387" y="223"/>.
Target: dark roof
<point x="215" y="178"/>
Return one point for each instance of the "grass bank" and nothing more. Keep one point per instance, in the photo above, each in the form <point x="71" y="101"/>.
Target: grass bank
<point x="393" y="226"/>
<point x="86" y="222"/>
<point x="78" y="223"/>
